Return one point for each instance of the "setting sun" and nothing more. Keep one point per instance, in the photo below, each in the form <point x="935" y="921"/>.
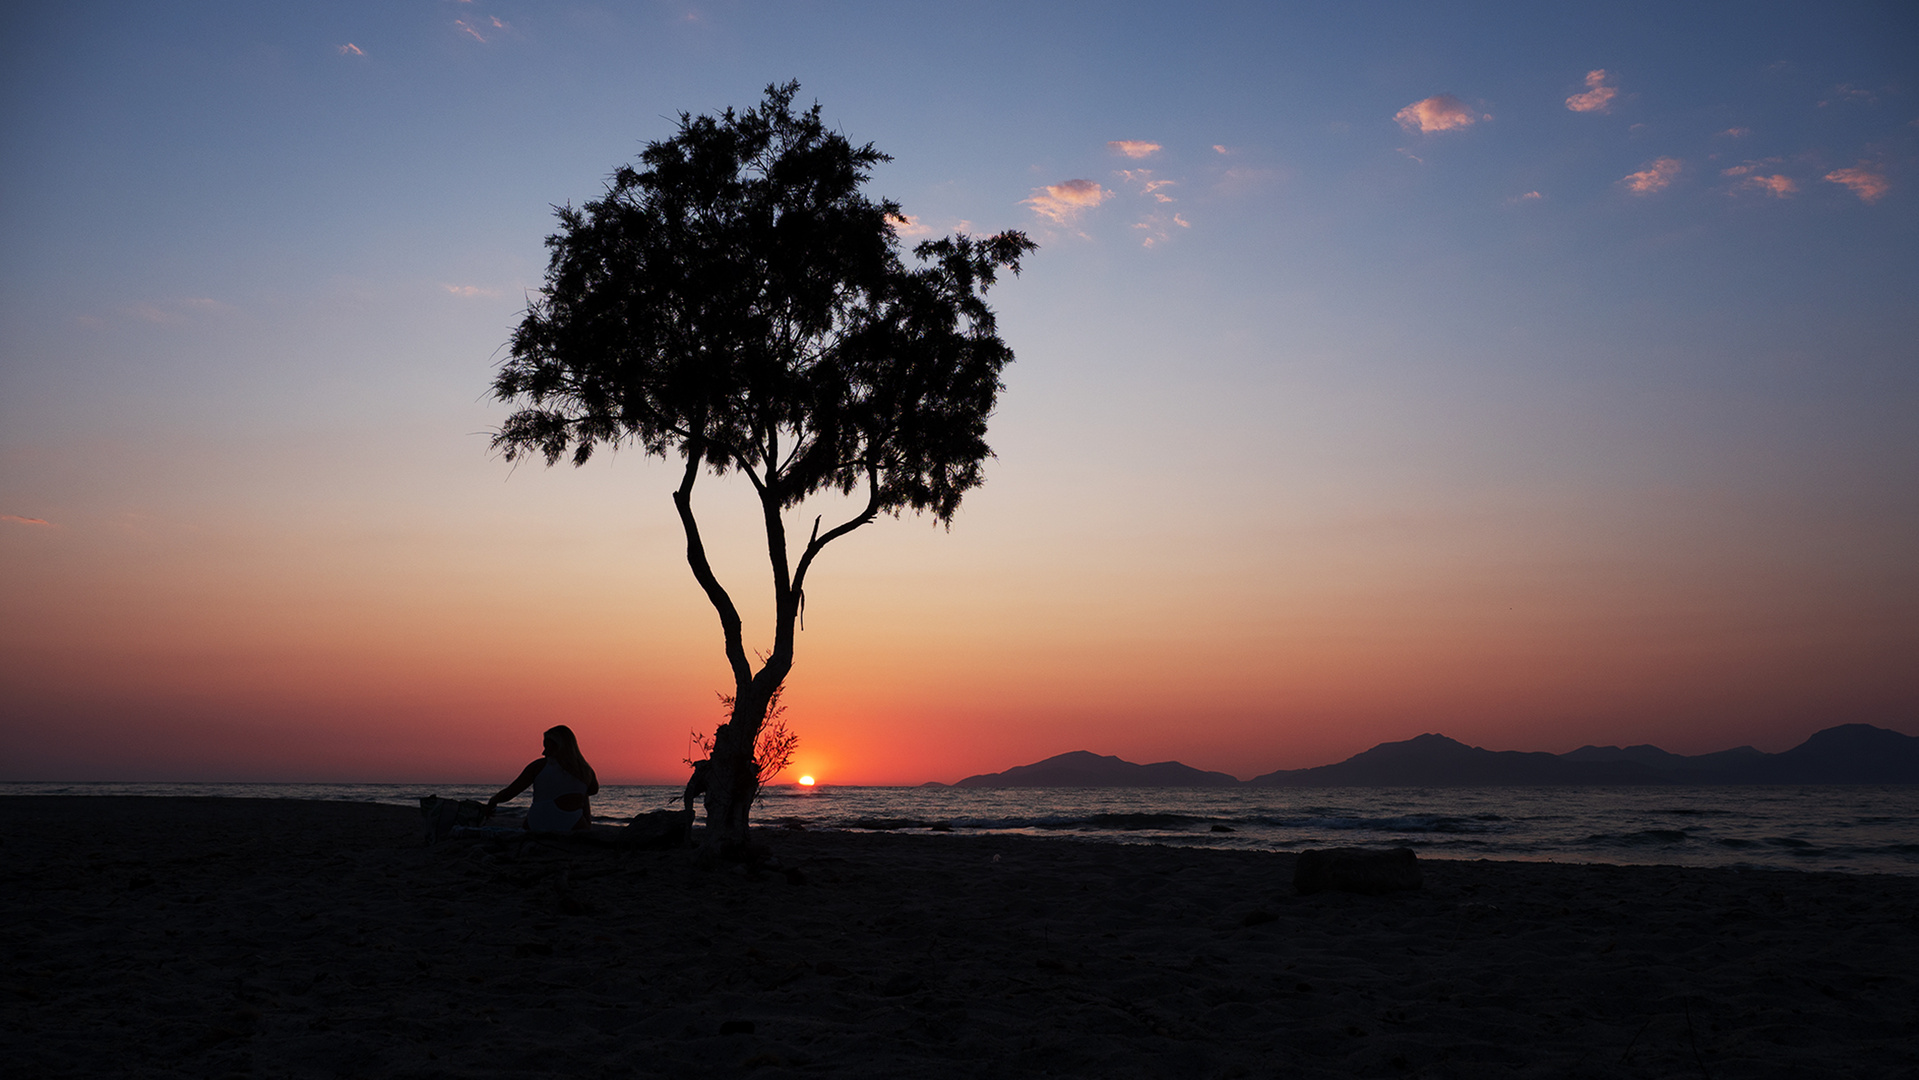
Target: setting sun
<point x="806" y="781"/>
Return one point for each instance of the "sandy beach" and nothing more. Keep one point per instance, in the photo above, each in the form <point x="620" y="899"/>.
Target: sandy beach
<point x="231" y="937"/>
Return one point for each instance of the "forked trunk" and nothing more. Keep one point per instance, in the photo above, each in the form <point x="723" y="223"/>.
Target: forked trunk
<point x="733" y="776"/>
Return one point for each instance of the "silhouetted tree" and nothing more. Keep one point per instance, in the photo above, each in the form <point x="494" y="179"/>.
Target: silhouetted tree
<point x="737" y="301"/>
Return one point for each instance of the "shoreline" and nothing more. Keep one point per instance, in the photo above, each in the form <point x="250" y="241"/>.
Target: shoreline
<point x="1845" y="829"/>
<point x="207" y="936"/>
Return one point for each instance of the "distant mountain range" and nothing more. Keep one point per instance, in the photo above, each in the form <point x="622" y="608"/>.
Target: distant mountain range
<point x="1847" y="754"/>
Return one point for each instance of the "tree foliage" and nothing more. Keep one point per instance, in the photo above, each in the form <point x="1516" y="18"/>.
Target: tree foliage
<point x="740" y="299"/>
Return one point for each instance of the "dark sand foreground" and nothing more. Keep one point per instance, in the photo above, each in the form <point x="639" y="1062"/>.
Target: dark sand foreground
<point x="216" y="937"/>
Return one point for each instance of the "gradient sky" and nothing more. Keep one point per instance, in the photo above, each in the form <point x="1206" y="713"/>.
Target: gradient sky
<point x="1541" y="375"/>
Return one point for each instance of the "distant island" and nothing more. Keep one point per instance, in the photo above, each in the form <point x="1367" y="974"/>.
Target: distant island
<point x="1081" y="768"/>
<point x="1847" y="754"/>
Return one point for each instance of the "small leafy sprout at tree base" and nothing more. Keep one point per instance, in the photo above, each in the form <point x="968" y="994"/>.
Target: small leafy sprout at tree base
<point x="772" y="751"/>
<point x="735" y="301"/>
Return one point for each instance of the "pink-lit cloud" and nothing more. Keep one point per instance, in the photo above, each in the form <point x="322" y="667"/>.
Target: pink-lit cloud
<point x="468" y="28"/>
<point x="350" y="49"/>
<point x="1064" y="201"/>
<point x="470" y="290"/>
<point x="1657" y="176"/>
<point x="1865" y="180"/>
<point x="1155" y="228"/>
<point x="908" y="225"/>
<point x="1736" y="132"/>
<point x="1441" y="112"/>
<point x="18" y="520"/>
<point x="1219" y="149"/>
<point x="1597" y="96"/>
<point x="1776" y="185"/>
<point x="1147" y="184"/>
<point x="1530" y="196"/>
<point x="1134" y="148"/>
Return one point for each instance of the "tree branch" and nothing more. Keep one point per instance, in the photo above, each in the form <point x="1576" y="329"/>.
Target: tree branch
<point x="785" y="602"/>
<point x="703" y="573"/>
<point x="818" y="541"/>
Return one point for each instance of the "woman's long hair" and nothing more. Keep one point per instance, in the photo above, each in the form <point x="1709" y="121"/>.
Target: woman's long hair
<point x="565" y="749"/>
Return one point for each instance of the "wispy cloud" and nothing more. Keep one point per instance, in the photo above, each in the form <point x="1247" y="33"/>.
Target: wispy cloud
<point x="18" y="520"/>
<point x="1752" y="176"/>
<point x="175" y="312"/>
<point x="1134" y="148"/>
<point x="1064" y="201"/>
<point x="1155" y="226"/>
<point x="154" y="313"/>
<point x="908" y="225"/>
<point x="1597" y="96"/>
<point x="1441" y="112"/>
<point x="1240" y="180"/>
<point x="468" y="28"/>
<point x="1657" y="176"/>
<point x="1220" y="149"/>
<point x="1530" y="196"/>
<point x="1846" y="92"/>
<point x="469" y="290"/>
<point x="1865" y="180"/>
<point x="1147" y="184"/>
<point x="1736" y="132"/>
<point x="1777" y="185"/>
<point x="350" y="49"/>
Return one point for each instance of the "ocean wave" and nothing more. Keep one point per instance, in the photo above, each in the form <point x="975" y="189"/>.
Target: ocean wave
<point x="1136" y="822"/>
<point x="1403" y="823"/>
<point x="1642" y="837"/>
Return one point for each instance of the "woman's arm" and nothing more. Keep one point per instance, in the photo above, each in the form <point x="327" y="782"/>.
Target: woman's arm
<point x="520" y="783"/>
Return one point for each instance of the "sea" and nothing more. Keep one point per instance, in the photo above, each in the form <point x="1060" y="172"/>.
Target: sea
<point x="1857" y="829"/>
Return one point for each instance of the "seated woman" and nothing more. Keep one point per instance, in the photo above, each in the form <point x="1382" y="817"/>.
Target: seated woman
<point x="561" y="780"/>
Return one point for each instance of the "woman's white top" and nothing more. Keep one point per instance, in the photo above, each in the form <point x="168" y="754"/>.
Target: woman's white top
<point x="551" y="783"/>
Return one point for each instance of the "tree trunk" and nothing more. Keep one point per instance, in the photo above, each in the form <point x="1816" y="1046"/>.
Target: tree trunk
<point x="733" y="780"/>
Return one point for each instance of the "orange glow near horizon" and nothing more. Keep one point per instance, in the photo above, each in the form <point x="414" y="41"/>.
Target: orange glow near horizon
<point x="806" y="781"/>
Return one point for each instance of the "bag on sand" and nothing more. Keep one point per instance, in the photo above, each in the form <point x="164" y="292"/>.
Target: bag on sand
<point x="443" y="814"/>
<point x="658" y="830"/>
